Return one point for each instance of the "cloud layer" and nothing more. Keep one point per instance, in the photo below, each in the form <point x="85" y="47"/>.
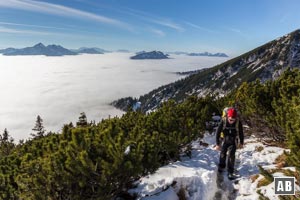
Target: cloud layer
<point x="55" y="9"/>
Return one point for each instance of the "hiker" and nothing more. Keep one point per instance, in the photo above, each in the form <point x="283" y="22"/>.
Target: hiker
<point x="231" y="127"/>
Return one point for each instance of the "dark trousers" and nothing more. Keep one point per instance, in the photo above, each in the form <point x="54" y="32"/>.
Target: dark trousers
<point x="231" y="148"/>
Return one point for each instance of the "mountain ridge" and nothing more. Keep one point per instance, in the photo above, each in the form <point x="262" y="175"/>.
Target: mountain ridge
<point x="219" y="54"/>
<point x="265" y="62"/>
<point x="38" y="49"/>
<point x="89" y="50"/>
<point x="150" y="55"/>
<point x="50" y="50"/>
<point x="58" y="50"/>
<point x="208" y="54"/>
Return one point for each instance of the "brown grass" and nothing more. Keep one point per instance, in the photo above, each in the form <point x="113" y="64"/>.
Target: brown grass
<point x="287" y="172"/>
<point x="281" y="161"/>
<point x="259" y="148"/>
<point x="254" y="177"/>
<point x="295" y="174"/>
<point x="181" y="194"/>
<point x="263" y="182"/>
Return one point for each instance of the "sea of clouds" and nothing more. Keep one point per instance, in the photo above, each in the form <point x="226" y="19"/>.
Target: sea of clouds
<point x="60" y="88"/>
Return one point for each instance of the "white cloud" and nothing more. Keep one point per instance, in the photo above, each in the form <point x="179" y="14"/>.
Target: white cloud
<point x="200" y="27"/>
<point x="4" y="29"/>
<point x="238" y="32"/>
<point x="54" y="9"/>
<point x="71" y="28"/>
<point x="152" y="19"/>
<point x="158" y="32"/>
<point x="10" y="30"/>
<point x="102" y="75"/>
<point x="167" y="23"/>
<point x="235" y="30"/>
<point x="34" y="26"/>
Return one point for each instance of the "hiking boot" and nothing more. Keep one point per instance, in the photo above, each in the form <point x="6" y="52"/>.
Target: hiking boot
<point x="231" y="176"/>
<point x="220" y="169"/>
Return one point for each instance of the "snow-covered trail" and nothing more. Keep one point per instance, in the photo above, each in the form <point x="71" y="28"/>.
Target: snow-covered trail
<point x="198" y="177"/>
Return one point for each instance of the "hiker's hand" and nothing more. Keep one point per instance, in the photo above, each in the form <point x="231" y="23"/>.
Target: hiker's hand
<point x="217" y="148"/>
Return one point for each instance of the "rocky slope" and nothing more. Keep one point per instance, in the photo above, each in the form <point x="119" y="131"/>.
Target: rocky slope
<point x="264" y="63"/>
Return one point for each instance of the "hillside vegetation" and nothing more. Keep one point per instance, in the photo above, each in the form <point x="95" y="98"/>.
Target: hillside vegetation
<point x="100" y="161"/>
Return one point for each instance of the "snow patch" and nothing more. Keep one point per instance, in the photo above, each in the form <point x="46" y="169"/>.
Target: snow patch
<point x="198" y="175"/>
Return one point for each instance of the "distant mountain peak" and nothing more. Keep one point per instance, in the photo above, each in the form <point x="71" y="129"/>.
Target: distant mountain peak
<point x="53" y="45"/>
<point x="199" y="54"/>
<point x="90" y="50"/>
<point x="39" y="45"/>
<point x="150" y="55"/>
<point x="39" y="49"/>
<point x="208" y="54"/>
<point x="123" y="51"/>
<point x="50" y="50"/>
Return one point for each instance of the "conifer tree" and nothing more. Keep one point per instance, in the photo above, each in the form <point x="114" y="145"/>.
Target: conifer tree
<point x="82" y="120"/>
<point x="292" y="120"/>
<point x="38" y="128"/>
<point x="4" y="137"/>
<point x="6" y="143"/>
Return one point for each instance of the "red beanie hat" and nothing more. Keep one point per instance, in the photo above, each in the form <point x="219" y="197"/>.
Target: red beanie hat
<point x="231" y="113"/>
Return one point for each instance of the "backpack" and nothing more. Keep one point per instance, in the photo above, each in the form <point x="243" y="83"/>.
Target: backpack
<point x="224" y="119"/>
<point x="225" y="111"/>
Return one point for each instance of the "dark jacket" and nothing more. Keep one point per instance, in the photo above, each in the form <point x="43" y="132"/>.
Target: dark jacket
<point x="230" y="131"/>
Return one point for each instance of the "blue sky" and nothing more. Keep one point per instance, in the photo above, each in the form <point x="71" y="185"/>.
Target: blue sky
<point x="229" y="26"/>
